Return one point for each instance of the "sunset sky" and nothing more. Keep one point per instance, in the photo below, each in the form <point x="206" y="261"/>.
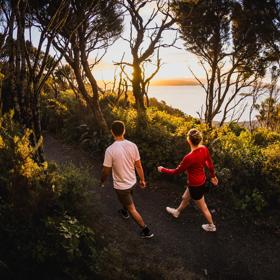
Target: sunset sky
<point x="175" y="61"/>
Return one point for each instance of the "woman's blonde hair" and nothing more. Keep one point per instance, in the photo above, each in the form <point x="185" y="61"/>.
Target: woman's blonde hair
<point x="195" y="136"/>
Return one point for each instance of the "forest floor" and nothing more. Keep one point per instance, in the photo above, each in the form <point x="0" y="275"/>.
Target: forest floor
<point x="180" y="249"/>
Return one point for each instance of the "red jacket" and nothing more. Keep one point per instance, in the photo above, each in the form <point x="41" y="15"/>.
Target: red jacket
<point x="193" y="163"/>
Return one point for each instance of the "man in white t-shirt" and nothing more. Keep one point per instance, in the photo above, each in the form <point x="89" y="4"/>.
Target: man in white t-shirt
<point x="122" y="157"/>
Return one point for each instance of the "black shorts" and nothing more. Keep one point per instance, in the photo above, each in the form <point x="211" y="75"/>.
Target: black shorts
<point x="197" y="192"/>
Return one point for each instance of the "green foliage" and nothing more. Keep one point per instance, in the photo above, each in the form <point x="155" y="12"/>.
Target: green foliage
<point x="271" y="172"/>
<point x="156" y="141"/>
<point x="269" y="113"/>
<point x="43" y="213"/>
<point x="69" y="118"/>
<point x="236" y="128"/>
<point x="264" y="137"/>
<point x="245" y="163"/>
<point x="17" y="164"/>
<point x="252" y="178"/>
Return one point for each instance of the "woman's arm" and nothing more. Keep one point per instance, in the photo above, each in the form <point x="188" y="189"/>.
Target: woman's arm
<point x="209" y="163"/>
<point x="179" y="169"/>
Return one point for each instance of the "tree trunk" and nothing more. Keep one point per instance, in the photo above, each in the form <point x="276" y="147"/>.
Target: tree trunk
<point x="1" y="101"/>
<point x="100" y="120"/>
<point x="138" y="95"/>
<point x="20" y="61"/>
<point x="37" y="129"/>
<point x="9" y="89"/>
<point x="209" y="111"/>
<point x="91" y="103"/>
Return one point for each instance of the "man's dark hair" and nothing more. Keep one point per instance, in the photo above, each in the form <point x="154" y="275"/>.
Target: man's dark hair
<point x="118" y="128"/>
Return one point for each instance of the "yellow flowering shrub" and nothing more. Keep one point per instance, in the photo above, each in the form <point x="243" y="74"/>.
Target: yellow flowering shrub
<point x="24" y="152"/>
<point x="2" y="144"/>
<point x="271" y="170"/>
<point x="17" y="154"/>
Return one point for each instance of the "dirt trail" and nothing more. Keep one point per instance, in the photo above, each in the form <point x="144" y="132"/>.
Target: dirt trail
<point x="235" y="251"/>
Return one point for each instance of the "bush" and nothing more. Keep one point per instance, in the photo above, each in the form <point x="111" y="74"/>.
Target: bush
<point x="264" y="137"/>
<point x="245" y="162"/>
<point x="161" y="141"/>
<point x="42" y="213"/>
<point x="271" y="173"/>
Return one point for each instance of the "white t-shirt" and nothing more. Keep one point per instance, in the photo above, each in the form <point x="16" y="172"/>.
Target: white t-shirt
<point x="121" y="156"/>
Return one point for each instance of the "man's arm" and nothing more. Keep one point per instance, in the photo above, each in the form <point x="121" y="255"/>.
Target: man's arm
<point x="140" y="172"/>
<point x="105" y="173"/>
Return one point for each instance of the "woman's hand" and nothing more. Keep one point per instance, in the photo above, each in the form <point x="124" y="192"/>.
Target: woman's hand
<point x="159" y="168"/>
<point x="214" y="181"/>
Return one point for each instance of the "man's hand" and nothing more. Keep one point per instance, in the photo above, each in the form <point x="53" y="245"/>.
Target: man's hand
<point x="159" y="168"/>
<point x="105" y="173"/>
<point x="214" y="181"/>
<point x="142" y="184"/>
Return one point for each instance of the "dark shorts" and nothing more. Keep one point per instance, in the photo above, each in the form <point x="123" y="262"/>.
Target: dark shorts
<point x="125" y="196"/>
<point x="197" y="192"/>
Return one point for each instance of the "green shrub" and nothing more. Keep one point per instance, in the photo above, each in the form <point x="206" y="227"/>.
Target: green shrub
<point x="245" y="162"/>
<point x="271" y="173"/>
<point x="43" y="213"/>
<point x="161" y="141"/>
<point x="264" y="137"/>
<point x="243" y="159"/>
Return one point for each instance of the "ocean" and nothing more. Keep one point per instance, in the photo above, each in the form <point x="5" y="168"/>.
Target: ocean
<point x="190" y="100"/>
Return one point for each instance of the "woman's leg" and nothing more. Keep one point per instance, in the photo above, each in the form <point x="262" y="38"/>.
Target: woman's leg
<point x="185" y="201"/>
<point x="204" y="209"/>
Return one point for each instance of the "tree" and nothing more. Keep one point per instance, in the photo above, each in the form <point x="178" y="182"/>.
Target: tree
<point x="269" y="114"/>
<point x="231" y="46"/>
<point x="96" y="25"/>
<point x="64" y="78"/>
<point x="29" y="67"/>
<point x="145" y="40"/>
<point x="3" y="26"/>
<point x="3" y="38"/>
<point x="269" y="109"/>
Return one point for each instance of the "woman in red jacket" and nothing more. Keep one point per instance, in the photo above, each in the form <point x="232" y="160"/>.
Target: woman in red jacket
<point x="193" y="163"/>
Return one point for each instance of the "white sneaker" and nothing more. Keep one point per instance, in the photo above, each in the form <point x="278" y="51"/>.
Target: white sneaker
<point x="209" y="227"/>
<point x="175" y="213"/>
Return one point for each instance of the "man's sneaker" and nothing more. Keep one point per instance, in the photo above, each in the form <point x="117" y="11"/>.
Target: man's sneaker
<point x="209" y="227"/>
<point x="175" y="213"/>
<point x="146" y="233"/>
<point x="123" y="213"/>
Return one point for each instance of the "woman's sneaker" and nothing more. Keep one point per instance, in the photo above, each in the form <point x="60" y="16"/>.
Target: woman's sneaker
<point x="146" y="233"/>
<point x="124" y="213"/>
<point x="175" y="213"/>
<point x="209" y="227"/>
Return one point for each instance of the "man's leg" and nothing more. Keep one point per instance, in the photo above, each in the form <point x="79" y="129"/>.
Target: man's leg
<point x="145" y="232"/>
<point x="125" y="198"/>
<point x="135" y="215"/>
